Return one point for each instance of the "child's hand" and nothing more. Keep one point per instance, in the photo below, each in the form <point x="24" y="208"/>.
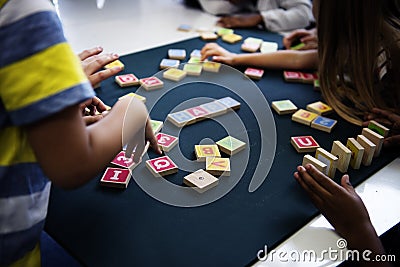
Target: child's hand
<point x="308" y="37"/>
<point x="388" y="119"/>
<point x="240" y="21"/>
<point x="92" y="62"/>
<point x="340" y="205"/>
<point x="95" y="107"/>
<point x="218" y="53"/>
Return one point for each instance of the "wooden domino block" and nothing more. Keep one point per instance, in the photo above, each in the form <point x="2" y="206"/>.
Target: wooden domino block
<point x="253" y="40"/>
<point x="218" y="166"/>
<point x="156" y="126"/>
<point x="357" y="153"/>
<point x="195" y="60"/>
<point x="254" y="73"/>
<point x="126" y="80"/>
<point x="115" y="63"/>
<point x="116" y="177"/>
<point x="200" y="181"/>
<point x="307" y="159"/>
<point x="169" y="63"/>
<point x="193" y="69"/>
<point x="208" y="36"/>
<point x="250" y="47"/>
<point x="230" y="145"/>
<point x="122" y="161"/>
<point x="304" y="117"/>
<point x="229" y="102"/>
<point x="166" y="142"/>
<point x="304" y="144"/>
<point x="323" y="124"/>
<point x="198" y="113"/>
<point x="174" y="74"/>
<point x="141" y="98"/>
<point x="330" y="160"/>
<point x="211" y="66"/>
<point x="375" y="138"/>
<point x="161" y="166"/>
<point x="151" y="83"/>
<point x="195" y="53"/>
<point x="204" y="151"/>
<point x="283" y="107"/>
<point x="177" y="54"/>
<point x="369" y="149"/>
<point x="214" y="108"/>
<point x="181" y="118"/>
<point x="378" y="128"/>
<point x="268" y="47"/>
<point x="292" y="76"/>
<point x="308" y="77"/>
<point x="319" y="107"/>
<point x="224" y="31"/>
<point x="343" y="154"/>
<point x="231" y="38"/>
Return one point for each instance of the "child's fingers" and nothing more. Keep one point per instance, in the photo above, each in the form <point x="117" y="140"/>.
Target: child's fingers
<point x="318" y="202"/>
<point x="312" y="184"/>
<point x="324" y="181"/>
<point x="103" y="74"/>
<point x="90" y="52"/>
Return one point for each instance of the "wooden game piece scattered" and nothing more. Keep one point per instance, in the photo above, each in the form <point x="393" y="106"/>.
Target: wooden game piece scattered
<point x="319" y="107"/>
<point x="250" y="47"/>
<point x="218" y="166"/>
<point x="166" y="142"/>
<point x="161" y="166"/>
<point x="116" y="177"/>
<point x="169" y="63"/>
<point x="198" y="113"/>
<point x="253" y="40"/>
<point x="231" y="38"/>
<point x="141" y="98"/>
<point x="229" y="102"/>
<point x="369" y="149"/>
<point x="308" y="159"/>
<point x="375" y="138"/>
<point x="224" y="31"/>
<point x="304" y="144"/>
<point x="204" y="151"/>
<point x="292" y="76"/>
<point x="174" y="74"/>
<point x="357" y="153"/>
<point x="156" y="126"/>
<point x="330" y="160"/>
<point x="308" y="77"/>
<point x="121" y="161"/>
<point x="378" y="128"/>
<point x="304" y="117"/>
<point x="323" y="124"/>
<point x="115" y="63"/>
<point x="208" y="36"/>
<point x="211" y="66"/>
<point x="231" y="145"/>
<point x="177" y="54"/>
<point x="195" y="53"/>
<point x="194" y="60"/>
<point x="214" y="108"/>
<point x="151" y="83"/>
<point x="343" y="154"/>
<point x="193" y="69"/>
<point x="283" y="107"/>
<point x="126" y="80"/>
<point x="181" y="118"/>
<point x="254" y="73"/>
<point x="200" y="181"/>
<point x="184" y="28"/>
<point x="268" y="47"/>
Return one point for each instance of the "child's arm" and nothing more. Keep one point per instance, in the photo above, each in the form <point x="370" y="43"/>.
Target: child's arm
<point x="282" y="59"/>
<point x="70" y="153"/>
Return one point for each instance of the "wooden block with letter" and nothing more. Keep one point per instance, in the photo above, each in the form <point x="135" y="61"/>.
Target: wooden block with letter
<point x="198" y="113"/>
<point x="330" y="160"/>
<point x="126" y="80"/>
<point x="229" y="102"/>
<point x="253" y="40"/>
<point x="268" y="47"/>
<point x="214" y="108"/>
<point x="308" y="77"/>
<point x="323" y="124"/>
<point x="283" y="107"/>
<point x="200" y="181"/>
<point x="211" y="66"/>
<point x="122" y="161"/>
<point x="231" y="145"/>
<point x="307" y="159"/>
<point x="292" y="76"/>
<point x="378" y="128"/>
<point x="304" y="144"/>
<point x="343" y="154"/>
<point x="181" y="118"/>
<point x="184" y="28"/>
<point x="254" y="73"/>
<point x="250" y="47"/>
<point x="115" y="63"/>
<point x="161" y="166"/>
<point x="304" y="117"/>
<point x="151" y="83"/>
<point x="116" y="177"/>
<point x="224" y="31"/>
<point x="357" y="153"/>
<point x="174" y="74"/>
<point x="169" y="63"/>
<point x="156" y="125"/>
<point x="204" y="151"/>
<point x="319" y="107"/>
<point x="193" y="69"/>
<point x="195" y="53"/>
<point x="375" y="138"/>
<point x="141" y="98"/>
<point x="231" y="38"/>
<point x="218" y="166"/>
<point x="166" y="142"/>
<point x="208" y="36"/>
<point x="177" y="54"/>
<point x="369" y="149"/>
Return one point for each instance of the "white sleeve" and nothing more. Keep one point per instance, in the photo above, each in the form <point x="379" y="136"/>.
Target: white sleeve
<point x="218" y="7"/>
